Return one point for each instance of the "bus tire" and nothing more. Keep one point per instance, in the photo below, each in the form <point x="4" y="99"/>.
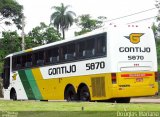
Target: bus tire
<point x="112" y="100"/>
<point x="13" y="94"/>
<point x="123" y="100"/>
<point x="70" y="94"/>
<point x="44" y="100"/>
<point x="84" y="94"/>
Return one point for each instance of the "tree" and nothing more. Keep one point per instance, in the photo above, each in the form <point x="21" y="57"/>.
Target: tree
<point x="62" y="18"/>
<point x="10" y="12"/>
<point x="9" y="43"/>
<point x="156" y="31"/>
<point x="41" y="35"/>
<point x="87" y="24"/>
<point x="158" y="53"/>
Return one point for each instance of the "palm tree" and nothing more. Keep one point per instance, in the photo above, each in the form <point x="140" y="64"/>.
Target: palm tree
<point x="62" y="18"/>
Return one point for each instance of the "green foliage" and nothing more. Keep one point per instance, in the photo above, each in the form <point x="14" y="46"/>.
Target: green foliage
<point x="154" y="28"/>
<point x="1" y="86"/>
<point x="41" y="35"/>
<point x="83" y="31"/>
<point x="158" y="53"/>
<point x="9" y="43"/>
<point x="1" y="66"/>
<point x="11" y="12"/>
<point x="87" y="24"/>
<point x="62" y="18"/>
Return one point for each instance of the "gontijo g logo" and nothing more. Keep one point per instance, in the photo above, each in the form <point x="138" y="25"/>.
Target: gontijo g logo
<point x="134" y="37"/>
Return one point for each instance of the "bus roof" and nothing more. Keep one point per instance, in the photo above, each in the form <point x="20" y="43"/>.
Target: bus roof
<point x="95" y="32"/>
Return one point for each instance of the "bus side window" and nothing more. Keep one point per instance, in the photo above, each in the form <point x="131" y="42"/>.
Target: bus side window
<point x="90" y="48"/>
<point x="81" y="49"/>
<point x="71" y="54"/>
<point x="40" y="58"/>
<point x="52" y="55"/>
<point x="55" y="55"/>
<point x="101" y="45"/>
<point x="63" y="52"/>
<point x="24" y="61"/>
<point x="16" y="62"/>
<point x="48" y="56"/>
<point x="28" y="62"/>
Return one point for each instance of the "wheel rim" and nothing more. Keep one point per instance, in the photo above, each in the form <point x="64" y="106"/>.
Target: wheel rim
<point x="14" y="95"/>
<point x="84" y="94"/>
<point x="70" y="94"/>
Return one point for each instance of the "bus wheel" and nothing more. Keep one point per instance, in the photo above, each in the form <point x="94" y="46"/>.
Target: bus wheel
<point x="112" y="100"/>
<point x="13" y="94"/>
<point x="123" y="100"/>
<point x="84" y="94"/>
<point x="70" y="94"/>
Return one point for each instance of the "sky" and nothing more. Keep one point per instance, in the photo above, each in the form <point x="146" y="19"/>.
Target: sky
<point x="37" y="11"/>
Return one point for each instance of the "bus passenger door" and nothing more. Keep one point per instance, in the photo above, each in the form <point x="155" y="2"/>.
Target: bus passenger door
<point x="6" y="73"/>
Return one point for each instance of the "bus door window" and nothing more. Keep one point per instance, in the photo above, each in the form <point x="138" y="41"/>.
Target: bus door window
<point x="6" y="80"/>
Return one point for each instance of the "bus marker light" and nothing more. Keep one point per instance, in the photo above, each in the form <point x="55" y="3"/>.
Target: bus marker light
<point x="114" y="80"/>
<point x="156" y="76"/>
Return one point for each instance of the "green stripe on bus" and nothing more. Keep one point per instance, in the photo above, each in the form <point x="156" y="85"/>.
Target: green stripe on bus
<point x="26" y="85"/>
<point x="33" y="85"/>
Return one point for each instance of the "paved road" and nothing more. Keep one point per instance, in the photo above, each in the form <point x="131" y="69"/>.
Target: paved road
<point x="145" y="100"/>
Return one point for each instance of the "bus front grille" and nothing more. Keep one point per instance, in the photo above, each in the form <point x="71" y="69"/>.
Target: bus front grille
<point x="98" y="87"/>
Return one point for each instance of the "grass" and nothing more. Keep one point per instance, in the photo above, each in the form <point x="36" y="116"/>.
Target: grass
<point x="71" y="109"/>
<point x="74" y="106"/>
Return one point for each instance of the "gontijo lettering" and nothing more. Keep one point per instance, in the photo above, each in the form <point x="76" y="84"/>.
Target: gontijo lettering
<point x="135" y="49"/>
<point x="62" y="70"/>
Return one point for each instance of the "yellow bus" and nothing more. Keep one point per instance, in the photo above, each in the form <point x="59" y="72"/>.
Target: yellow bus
<point x="115" y="63"/>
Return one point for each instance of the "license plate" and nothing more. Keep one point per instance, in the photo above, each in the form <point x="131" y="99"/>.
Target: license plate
<point x="139" y="79"/>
